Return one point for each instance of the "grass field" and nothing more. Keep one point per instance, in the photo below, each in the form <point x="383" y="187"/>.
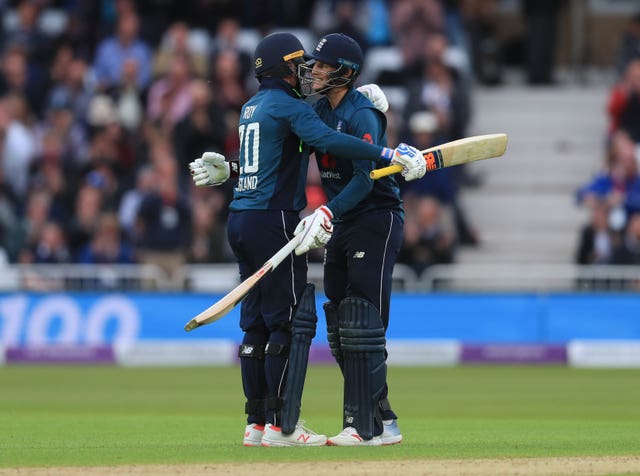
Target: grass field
<point x="85" y="416"/>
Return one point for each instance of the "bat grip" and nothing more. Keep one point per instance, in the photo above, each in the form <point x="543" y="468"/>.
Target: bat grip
<point x="384" y="171"/>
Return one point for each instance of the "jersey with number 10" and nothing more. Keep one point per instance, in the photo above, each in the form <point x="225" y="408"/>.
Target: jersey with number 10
<point x="276" y="129"/>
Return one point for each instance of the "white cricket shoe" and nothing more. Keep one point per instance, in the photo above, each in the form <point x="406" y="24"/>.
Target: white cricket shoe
<point x="350" y="437"/>
<point x="301" y="436"/>
<point x="253" y="435"/>
<point x="391" y="433"/>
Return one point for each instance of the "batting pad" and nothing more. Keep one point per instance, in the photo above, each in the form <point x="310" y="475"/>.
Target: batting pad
<point x="303" y="331"/>
<point x="362" y="339"/>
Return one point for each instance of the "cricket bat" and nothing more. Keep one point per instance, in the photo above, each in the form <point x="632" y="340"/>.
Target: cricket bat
<point x="237" y="294"/>
<point x="453" y="153"/>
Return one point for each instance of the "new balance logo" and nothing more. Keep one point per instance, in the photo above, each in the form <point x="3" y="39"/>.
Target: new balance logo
<point x="358" y="254"/>
<point x="247" y="350"/>
<point x="304" y="438"/>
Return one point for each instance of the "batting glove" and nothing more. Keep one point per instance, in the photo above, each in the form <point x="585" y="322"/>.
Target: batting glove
<point x="210" y="169"/>
<point x="374" y="94"/>
<point x="411" y="160"/>
<point x="316" y="230"/>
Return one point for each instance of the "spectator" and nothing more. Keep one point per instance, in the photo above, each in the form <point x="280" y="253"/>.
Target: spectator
<point x="16" y="79"/>
<point x="131" y="199"/>
<point x="227" y="39"/>
<point x="424" y="127"/>
<point x="541" y="19"/>
<point x="111" y="147"/>
<point x="19" y="145"/>
<point x="48" y="173"/>
<point x="628" y="250"/>
<point x="169" y="98"/>
<point x="113" y="52"/>
<point x="10" y="227"/>
<point x="440" y="90"/>
<point x="427" y="241"/>
<point x="598" y="237"/>
<point x="209" y="238"/>
<point x="72" y="89"/>
<point x="203" y="128"/>
<point x="618" y="185"/>
<point x="345" y="16"/>
<point x="60" y="121"/>
<point x="175" y="43"/>
<point x="481" y="21"/>
<point x="106" y="245"/>
<point x="629" y="46"/>
<point x="227" y="82"/>
<point x="51" y="246"/>
<point x="411" y="23"/>
<point x="88" y="208"/>
<point x="164" y="219"/>
<point x="624" y="102"/>
<point x="36" y="215"/>
<point x="31" y="40"/>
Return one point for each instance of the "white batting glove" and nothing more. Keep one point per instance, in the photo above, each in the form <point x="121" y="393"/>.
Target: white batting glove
<point x="210" y="169"/>
<point x="316" y="230"/>
<point x="376" y="96"/>
<point x="411" y="160"/>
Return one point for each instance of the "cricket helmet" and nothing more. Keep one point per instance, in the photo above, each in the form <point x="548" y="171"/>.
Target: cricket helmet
<point x="274" y="52"/>
<point x="337" y="50"/>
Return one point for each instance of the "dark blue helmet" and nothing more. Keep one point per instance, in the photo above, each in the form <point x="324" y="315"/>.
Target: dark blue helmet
<point x="338" y="49"/>
<point x="274" y="51"/>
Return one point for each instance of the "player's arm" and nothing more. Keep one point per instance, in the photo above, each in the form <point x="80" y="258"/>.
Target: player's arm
<point x="306" y="124"/>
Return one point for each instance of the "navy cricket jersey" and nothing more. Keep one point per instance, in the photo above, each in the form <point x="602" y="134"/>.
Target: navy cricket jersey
<point x="349" y="188"/>
<point x="276" y="129"/>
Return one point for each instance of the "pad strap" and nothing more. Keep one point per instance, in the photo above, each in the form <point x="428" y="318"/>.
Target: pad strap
<point x="251" y="351"/>
<point x="273" y="348"/>
<point x="273" y="404"/>
<point x="333" y="334"/>
<point x="255" y="406"/>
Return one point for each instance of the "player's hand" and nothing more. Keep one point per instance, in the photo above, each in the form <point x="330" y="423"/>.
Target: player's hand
<point x="411" y="160"/>
<point x="210" y="169"/>
<point x="316" y="230"/>
<point x="376" y="96"/>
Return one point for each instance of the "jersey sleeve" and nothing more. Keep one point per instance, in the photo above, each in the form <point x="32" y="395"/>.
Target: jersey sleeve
<point x="306" y="124"/>
<point x="366" y="126"/>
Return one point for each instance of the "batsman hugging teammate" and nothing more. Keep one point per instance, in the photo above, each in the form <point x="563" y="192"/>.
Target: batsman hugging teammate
<point x="278" y="316"/>
<point x="359" y="258"/>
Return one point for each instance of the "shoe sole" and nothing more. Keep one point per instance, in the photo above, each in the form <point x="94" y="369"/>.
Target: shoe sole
<point x="392" y="440"/>
<point x="282" y="444"/>
<point x="252" y="443"/>
<point x="332" y="443"/>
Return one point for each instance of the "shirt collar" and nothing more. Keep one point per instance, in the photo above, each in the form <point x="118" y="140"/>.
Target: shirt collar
<point x="278" y="83"/>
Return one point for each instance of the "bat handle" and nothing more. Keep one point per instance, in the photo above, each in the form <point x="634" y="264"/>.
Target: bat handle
<point x="285" y="251"/>
<point x="384" y="171"/>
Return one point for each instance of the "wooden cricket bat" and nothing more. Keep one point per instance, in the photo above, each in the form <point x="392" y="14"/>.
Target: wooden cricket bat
<point x="237" y="294"/>
<point x="456" y="152"/>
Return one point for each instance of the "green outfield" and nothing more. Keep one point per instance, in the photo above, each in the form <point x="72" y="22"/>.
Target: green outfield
<point x="68" y="416"/>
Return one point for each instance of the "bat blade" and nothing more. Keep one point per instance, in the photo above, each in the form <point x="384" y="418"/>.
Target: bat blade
<point x="227" y="302"/>
<point x="461" y="151"/>
<point x="237" y="294"/>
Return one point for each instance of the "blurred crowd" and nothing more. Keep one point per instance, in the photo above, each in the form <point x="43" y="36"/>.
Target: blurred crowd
<point x="103" y="103"/>
<point x="612" y="196"/>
